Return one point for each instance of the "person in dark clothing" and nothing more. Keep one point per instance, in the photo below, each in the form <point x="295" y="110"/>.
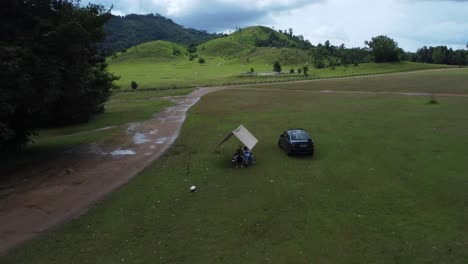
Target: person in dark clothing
<point x="238" y="159"/>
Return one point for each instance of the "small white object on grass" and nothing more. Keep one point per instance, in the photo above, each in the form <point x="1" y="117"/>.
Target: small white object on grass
<point x="193" y="188"/>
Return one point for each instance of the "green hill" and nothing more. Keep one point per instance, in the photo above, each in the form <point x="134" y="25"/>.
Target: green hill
<point x="225" y="46"/>
<point x="156" y="51"/>
<point x="268" y="55"/>
<point x="260" y="36"/>
<point x="246" y="40"/>
<point x="240" y="47"/>
<point x="125" y="32"/>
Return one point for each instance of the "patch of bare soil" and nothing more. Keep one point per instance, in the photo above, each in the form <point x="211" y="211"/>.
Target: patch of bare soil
<point x="65" y="188"/>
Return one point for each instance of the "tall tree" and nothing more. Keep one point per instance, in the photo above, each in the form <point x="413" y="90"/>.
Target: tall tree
<point x="384" y="49"/>
<point x="50" y="69"/>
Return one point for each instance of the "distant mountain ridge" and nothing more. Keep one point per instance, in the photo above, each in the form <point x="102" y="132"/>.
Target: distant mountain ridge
<point x="131" y="30"/>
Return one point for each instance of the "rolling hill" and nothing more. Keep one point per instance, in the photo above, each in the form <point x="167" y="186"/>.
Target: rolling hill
<point x="155" y="51"/>
<point x="250" y="45"/>
<point x="245" y="56"/>
<point x="244" y="41"/>
<point x="125" y="32"/>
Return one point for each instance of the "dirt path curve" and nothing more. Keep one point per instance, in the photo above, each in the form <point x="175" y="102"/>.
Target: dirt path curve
<point x="75" y="181"/>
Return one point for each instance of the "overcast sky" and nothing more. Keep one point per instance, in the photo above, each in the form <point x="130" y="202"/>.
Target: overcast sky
<point x="412" y="23"/>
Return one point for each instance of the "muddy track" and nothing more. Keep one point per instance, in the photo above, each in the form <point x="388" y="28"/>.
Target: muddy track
<point x="70" y="184"/>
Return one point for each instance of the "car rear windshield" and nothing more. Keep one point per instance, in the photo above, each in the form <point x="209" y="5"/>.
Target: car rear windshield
<point x="299" y="135"/>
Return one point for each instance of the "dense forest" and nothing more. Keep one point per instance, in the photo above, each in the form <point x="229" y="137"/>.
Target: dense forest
<point x="50" y="70"/>
<point x="439" y="55"/>
<point x="126" y="31"/>
<point x="379" y="49"/>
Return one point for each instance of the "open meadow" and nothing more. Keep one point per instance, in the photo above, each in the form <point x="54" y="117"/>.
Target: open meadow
<point x="387" y="184"/>
<point x="219" y="71"/>
<point x="230" y="60"/>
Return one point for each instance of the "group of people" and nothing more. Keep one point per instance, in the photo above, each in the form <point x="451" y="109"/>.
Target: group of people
<point x="243" y="157"/>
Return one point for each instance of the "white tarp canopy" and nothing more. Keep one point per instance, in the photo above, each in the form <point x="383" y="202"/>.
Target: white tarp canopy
<point x="244" y="136"/>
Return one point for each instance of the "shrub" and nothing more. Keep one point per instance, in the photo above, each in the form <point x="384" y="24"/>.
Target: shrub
<point x="201" y="60"/>
<point x="305" y="70"/>
<point x="433" y="99"/>
<point x="192" y="56"/>
<point x="277" y="67"/>
<point x="291" y="71"/>
<point x="319" y="64"/>
<point x="134" y="85"/>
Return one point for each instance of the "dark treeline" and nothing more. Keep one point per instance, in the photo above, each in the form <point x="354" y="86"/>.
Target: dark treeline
<point x="51" y="72"/>
<point x="439" y="55"/>
<point x="379" y="49"/>
<point x="130" y="30"/>
<point x="328" y="55"/>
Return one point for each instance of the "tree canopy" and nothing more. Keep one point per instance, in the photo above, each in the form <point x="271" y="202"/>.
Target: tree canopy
<point x="384" y="49"/>
<point x="440" y="55"/>
<point x="50" y="69"/>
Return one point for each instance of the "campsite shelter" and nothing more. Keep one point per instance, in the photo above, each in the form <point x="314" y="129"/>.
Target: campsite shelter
<point x="244" y="136"/>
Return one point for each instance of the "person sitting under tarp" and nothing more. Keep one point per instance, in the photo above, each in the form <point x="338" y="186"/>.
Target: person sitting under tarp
<point x="238" y="159"/>
<point x="248" y="157"/>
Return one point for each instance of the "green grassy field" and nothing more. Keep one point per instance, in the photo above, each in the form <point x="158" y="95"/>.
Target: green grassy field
<point x="416" y="82"/>
<point x="220" y="71"/>
<point x="387" y="185"/>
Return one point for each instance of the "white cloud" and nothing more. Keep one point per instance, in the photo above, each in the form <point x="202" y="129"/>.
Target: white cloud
<point x="411" y="23"/>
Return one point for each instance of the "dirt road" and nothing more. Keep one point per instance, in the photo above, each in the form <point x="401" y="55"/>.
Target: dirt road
<point x="76" y="180"/>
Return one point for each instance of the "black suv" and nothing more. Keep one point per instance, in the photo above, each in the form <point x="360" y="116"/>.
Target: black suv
<point x="296" y="141"/>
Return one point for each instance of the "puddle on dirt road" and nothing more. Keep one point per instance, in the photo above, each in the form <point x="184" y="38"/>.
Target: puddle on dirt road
<point x="132" y="127"/>
<point x="123" y="152"/>
<point x="140" y="138"/>
<point x="161" y="140"/>
<point x="95" y="149"/>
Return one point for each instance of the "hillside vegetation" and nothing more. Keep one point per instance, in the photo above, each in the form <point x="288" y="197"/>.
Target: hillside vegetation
<point x="127" y="31"/>
<point x="244" y="41"/>
<point x="245" y="56"/>
<point x="153" y="51"/>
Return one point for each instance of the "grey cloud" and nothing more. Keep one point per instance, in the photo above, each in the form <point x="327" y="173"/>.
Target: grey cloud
<point x="214" y="15"/>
